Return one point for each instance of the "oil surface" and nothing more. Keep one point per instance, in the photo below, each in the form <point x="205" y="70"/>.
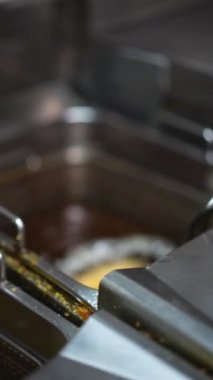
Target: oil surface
<point x="54" y="231"/>
<point x="93" y="276"/>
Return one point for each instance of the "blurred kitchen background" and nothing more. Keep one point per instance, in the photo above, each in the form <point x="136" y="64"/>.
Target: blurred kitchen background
<point x="106" y="124"/>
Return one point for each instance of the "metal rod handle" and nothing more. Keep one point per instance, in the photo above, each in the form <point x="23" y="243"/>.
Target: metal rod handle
<point x="2" y="268"/>
<point x="19" y="238"/>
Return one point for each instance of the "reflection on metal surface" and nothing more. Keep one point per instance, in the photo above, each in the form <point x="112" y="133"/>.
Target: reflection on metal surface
<point x="77" y="155"/>
<point x="202" y="221"/>
<point x="208" y="135"/>
<point x="49" y="110"/>
<point x="81" y="114"/>
<point x="2" y="268"/>
<point x="20" y="228"/>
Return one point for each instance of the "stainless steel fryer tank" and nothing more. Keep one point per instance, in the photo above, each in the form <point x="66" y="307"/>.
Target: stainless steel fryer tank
<point x="93" y="157"/>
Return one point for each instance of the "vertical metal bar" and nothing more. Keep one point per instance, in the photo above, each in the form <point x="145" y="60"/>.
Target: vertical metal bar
<point x="2" y="268"/>
<point x="20" y="228"/>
